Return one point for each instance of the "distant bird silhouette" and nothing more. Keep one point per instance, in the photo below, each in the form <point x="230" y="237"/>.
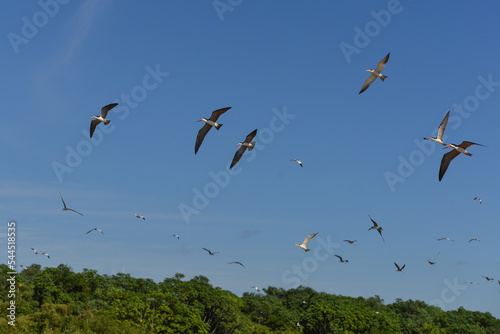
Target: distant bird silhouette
<point x="298" y="161"/>
<point x="236" y="262"/>
<point x="34" y="250"/>
<point x="489" y="279"/>
<point x="448" y="157"/>
<point x="480" y="200"/>
<point x="341" y="259"/>
<point x="66" y="208"/>
<point x="248" y="143"/>
<point x="377" y="73"/>
<point x="398" y="268"/>
<point x="47" y="255"/>
<point x="376" y="227"/>
<point x="351" y="242"/>
<point x="306" y="241"/>
<point x="95" y="229"/>
<point x="175" y="235"/>
<point x="209" y="252"/>
<point x="445" y="239"/>
<point x="208" y="125"/>
<point x="256" y="288"/>
<point x="139" y="216"/>
<point x="442" y="127"/>
<point x="471" y="282"/>
<point x="431" y="263"/>
<point x="101" y="117"/>
<point x="474" y="239"/>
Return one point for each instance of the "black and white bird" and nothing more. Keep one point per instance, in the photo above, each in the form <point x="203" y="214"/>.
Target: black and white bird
<point x="489" y="279"/>
<point x="95" y="229"/>
<point x="306" y="241"/>
<point x="176" y="235"/>
<point x="377" y="73"/>
<point x="34" y="250"/>
<point x="66" y="208"/>
<point x="47" y="255"/>
<point x="248" y="143"/>
<point x="341" y="260"/>
<point x="139" y="216"/>
<point x="212" y="121"/>
<point x="376" y="227"/>
<point x="400" y="269"/>
<point x="209" y="252"/>
<point x="431" y="263"/>
<point x="442" y="127"/>
<point x="101" y="118"/>
<point x="480" y="200"/>
<point x="448" y="157"/>
<point x="298" y="161"/>
<point x="236" y="262"/>
<point x="351" y="242"/>
<point x="256" y="288"/>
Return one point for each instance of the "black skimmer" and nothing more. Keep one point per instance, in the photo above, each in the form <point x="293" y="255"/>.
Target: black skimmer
<point x="298" y="161"/>
<point x="489" y="279"/>
<point x="351" y="242"/>
<point x="176" y="235"/>
<point x="256" y="288"/>
<point x="95" y="229"/>
<point x="398" y="268"/>
<point x="101" y="117"/>
<point x="209" y="252"/>
<point x="445" y="162"/>
<point x="474" y="239"/>
<point x="480" y="200"/>
<point x="376" y="227"/>
<point x="47" y="255"/>
<point x="341" y="260"/>
<point x="448" y="239"/>
<point x="208" y="125"/>
<point x="442" y="127"/>
<point x="139" y="216"/>
<point x="236" y="262"/>
<point x="66" y="208"/>
<point x="248" y="143"/>
<point x="431" y="263"/>
<point x="34" y="250"/>
<point x="306" y="241"/>
<point x="375" y="74"/>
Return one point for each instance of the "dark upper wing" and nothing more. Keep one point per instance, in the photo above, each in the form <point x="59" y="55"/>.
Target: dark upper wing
<point x="250" y="137"/>
<point x="93" y="124"/>
<point x="466" y="144"/>
<point x="397" y="266"/>
<point x="62" y="200"/>
<point x="217" y="113"/>
<point x="442" y="126"/>
<point x="237" y="156"/>
<point x="381" y="64"/>
<point x="404" y="265"/>
<point x="374" y="222"/>
<point x="105" y="109"/>
<point x="445" y="162"/>
<point x="201" y="135"/>
<point x="339" y="257"/>
<point x="75" y="211"/>
<point x="368" y="82"/>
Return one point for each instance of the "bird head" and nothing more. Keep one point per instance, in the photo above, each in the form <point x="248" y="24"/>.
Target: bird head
<point x="370" y="70"/>
<point x="296" y="244"/>
<point x="239" y="144"/>
<point x="202" y="120"/>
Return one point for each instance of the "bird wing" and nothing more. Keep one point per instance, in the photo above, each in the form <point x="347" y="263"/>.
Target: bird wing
<point x="339" y="257"/>
<point x="381" y="64"/>
<point x="93" y="124"/>
<point x="374" y="222"/>
<point x="442" y="126"/>
<point x="100" y="231"/>
<point x="207" y="251"/>
<point x="215" y="114"/>
<point x="445" y="162"/>
<point x="380" y="232"/>
<point x="201" y="135"/>
<point x="105" y="109"/>
<point x="368" y="82"/>
<point x="75" y="211"/>
<point x="237" y="156"/>
<point x="308" y="238"/>
<point x="466" y="144"/>
<point x="404" y="265"/>
<point x="89" y="231"/>
<point x="250" y="137"/>
<point x="62" y="201"/>
<point x="397" y="266"/>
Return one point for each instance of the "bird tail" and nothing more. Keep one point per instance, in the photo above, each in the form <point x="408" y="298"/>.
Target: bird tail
<point x="106" y="122"/>
<point x="217" y="126"/>
<point x="307" y="249"/>
<point x="251" y="147"/>
<point x="383" y="77"/>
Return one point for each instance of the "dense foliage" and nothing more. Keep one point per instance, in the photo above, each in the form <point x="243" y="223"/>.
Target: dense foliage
<point x="57" y="300"/>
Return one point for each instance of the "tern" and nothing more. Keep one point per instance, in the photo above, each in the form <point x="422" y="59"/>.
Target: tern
<point x="66" y="208"/>
<point x="95" y="229"/>
<point x="236" y="262"/>
<point x="448" y="157"/>
<point x="442" y="127"/>
<point x="375" y="74"/>
<point x="34" y="250"/>
<point x="298" y="161"/>
<point x="474" y="239"/>
<point x="209" y="252"/>
<point x="489" y="279"/>
<point x="176" y="235"/>
<point x="139" y="216"/>
<point x="480" y="200"/>
<point x="248" y="143"/>
<point x="208" y="125"/>
<point x="445" y="239"/>
<point x="341" y="259"/>
<point x="47" y="255"/>
<point x="101" y="117"/>
<point x="376" y="227"/>
<point x="398" y="268"/>
<point x="256" y="288"/>
<point x="351" y="242"/>
<point x="306" y="241"/>
<point x="431" y="263"/>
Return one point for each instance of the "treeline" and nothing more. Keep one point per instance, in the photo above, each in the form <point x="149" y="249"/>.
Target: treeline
<point x="58" y="300"/>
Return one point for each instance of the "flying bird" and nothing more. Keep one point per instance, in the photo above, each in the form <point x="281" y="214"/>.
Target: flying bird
<point x="208" y="125"/>
<point x="236" y="262"/>
<point x="298" y="161"/>
<point x="376" y="227"/>
<point x="474" y="239"/>
<point x="489" y="279"/>
<point x="431" y="263"/>
<point x="351" y="242"/>
<point x="66" y="208"/>
<point x="480" y="200"/>
<point x="101" y="118"/>
<point x="445" y="239"/>
<point x="306" y="241"/>
<point x="398" y="268"/>
<point x="47" y="255"/>
<point x="23" y="266"/>
<point x="139" y="216"/>
<point x="209" y="252"/>
<point x="248" y="143"/>
<point x="34" y="250"/>
<point x="442" y="127"/>
<point x="176" y="235"/>
<point x="341" y="259"/>
<point x="375" y="74"/>
<point x="256" y="288"/>
<point x="448" y="157"/>
<point x="95" y="229"/>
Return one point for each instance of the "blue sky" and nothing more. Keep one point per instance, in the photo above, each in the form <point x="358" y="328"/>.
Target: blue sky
<point x="293" y="71"/>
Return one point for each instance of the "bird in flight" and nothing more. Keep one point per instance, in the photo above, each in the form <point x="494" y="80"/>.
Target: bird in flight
<point x="209" y="252"/>
<point x="248" y="143"/>
<point x="95" y="229"/>
<point x="489" y="279"/>
<point x="448" y="157"/>
<point x="377" y="73"/>
<point x="341" y="260"/>
<point x="448" y="239"/>
<point x="351" y="242"/>
<point x="47" y="255"/>
<point x="66" y="208"/>
<point x="208" y="125"/>
<point x="442" y="127"/>
<point x="139" y="216"/>
<point x="306" y="241"/>
<point x="298" y="161"/>
<point x="175" y="235"/>
<point x="34" y="250"/>
<point x="398" y="268"/>
<point x="431" y="263"/>
<point x="101" y="118"/>
<point x="256" y="288"/>
<point x="480" y="200"/>
<point x="376" y="227"/>
<point x="474" y="239"/>
<point x="236" y="262"/>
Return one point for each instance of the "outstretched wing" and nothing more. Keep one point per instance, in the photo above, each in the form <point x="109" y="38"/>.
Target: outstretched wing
<point x="445" y="162"/>
<point x="105" y="109"/>
<point x="93" y="124"/>
<point x="381" y="64"/>
<point x="250" y="137"/>
<point x="374" y="222"/>
<point x="238" y="155"/>
<point x="75" y="211"/>
<point x="466" y="144"/>
<point x="215" y="115"/>
<point x="62" y="201"/>
<point x="442" y="126"/>
<point x="368" y="82"/>
<point x="308" y="238"/>
<point x="201" y="135"/>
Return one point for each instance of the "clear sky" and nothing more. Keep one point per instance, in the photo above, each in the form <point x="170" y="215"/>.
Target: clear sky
<point x="293" y="71"/>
